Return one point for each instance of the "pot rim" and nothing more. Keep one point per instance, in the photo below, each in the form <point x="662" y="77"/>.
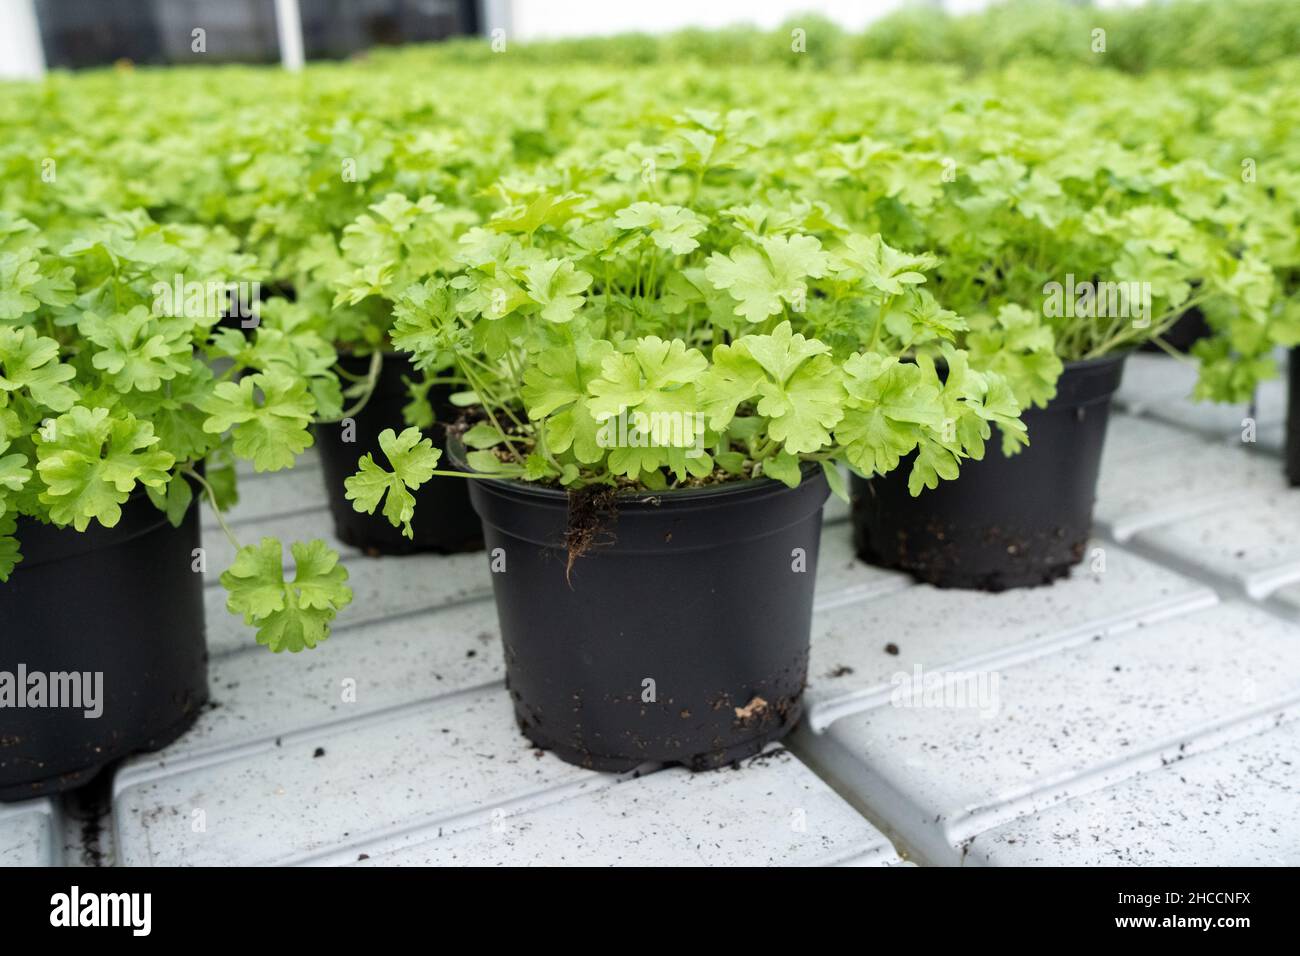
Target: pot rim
<point x="525" y="489"/>
<point x="1072" y="365"/>
<point x="51" y="542"/>
<point x="1110" y="358"/>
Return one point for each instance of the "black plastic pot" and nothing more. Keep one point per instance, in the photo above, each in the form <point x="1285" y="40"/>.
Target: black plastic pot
<point x="1293" y="418"/>
<point x="444" y="521"/>
<point x="1004" y="522"/>
<point x="680" y="637"/>
<point x="123" y="602"/>
<point x="1189" y="329"/>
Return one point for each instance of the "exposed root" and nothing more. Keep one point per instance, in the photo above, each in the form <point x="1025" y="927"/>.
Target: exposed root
<point x="591" y="515"/>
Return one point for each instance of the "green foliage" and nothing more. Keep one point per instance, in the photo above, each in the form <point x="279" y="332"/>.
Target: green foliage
<point x="91" y="463"/>
<point x="1191" y="34"/>
<point x="610" y="338"/>
<point x="269" y="432"/>
<point x="412" y="459"/>
<point x="108" y="390"/>
<point x="289" y="615"/>
<point x="755" y="260"/>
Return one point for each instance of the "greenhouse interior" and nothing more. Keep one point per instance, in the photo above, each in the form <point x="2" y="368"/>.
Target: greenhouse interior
<point x="510" y="434"/>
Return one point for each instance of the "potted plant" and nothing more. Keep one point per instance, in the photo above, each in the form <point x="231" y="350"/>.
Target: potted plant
<point x="112" y="425"/>
<point x="304" y="172"/>
<point x="377" y="255"/>
<point x="653" y="428"/>
<point x="1060" y="273"/>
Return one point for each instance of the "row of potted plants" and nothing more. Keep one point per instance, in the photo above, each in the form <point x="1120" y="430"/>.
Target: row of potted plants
<point x="113" y="424"/>
<point x="644" y="338"/>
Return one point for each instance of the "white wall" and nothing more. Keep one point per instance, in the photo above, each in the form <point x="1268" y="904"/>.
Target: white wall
<point x="21" y="56"/>
<point x="530" y="19"/>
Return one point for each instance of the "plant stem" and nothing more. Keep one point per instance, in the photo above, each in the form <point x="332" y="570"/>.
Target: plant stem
<point x="216" y="510"/>
<point x="372" y="379"/>
<point x="487" y="407"/>
<point x="885" y="303"/>
<point x="1159" y="327"/>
